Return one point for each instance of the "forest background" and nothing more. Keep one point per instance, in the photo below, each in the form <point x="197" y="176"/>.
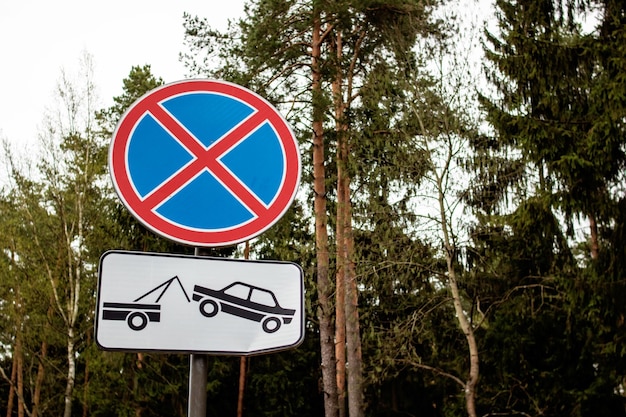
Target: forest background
<point x="462" y="241"/>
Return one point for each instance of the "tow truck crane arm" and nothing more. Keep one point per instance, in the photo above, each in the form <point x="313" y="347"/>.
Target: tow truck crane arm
<point x="165" y="287"/>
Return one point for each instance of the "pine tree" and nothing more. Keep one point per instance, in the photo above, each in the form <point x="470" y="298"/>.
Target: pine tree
<point x="556" y="158"/>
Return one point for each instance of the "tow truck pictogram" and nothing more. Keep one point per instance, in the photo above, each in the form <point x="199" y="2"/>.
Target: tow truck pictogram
<point x="136" y="314"/>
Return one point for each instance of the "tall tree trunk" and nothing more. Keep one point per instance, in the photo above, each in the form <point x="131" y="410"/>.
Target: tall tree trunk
<point x="356" y="406"/>
<point x="17" y="378"/>
<point x="40" y="376"/>
<point x="86" y="382"/>
<point x="324" y="288"/>
<point x="12" y="384"/>
<point x="41" y="371"/>
<point x="19" y="350"/>
<point x="345" y="247"/>
<point x="340" y="286"/>
<point x="242" y="385"/>
<point x="340" y="311"/>
<point x="136" y="394"/>
<point x="20" y="375"/>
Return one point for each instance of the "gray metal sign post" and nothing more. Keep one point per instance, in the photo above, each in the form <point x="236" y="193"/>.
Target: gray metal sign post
<point x="198" y="372"/>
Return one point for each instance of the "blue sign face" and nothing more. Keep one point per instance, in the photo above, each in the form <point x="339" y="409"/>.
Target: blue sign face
<point x="205" y="162"/>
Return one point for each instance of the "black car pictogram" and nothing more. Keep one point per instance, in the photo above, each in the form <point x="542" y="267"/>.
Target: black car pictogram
<point x="245" y="301"/>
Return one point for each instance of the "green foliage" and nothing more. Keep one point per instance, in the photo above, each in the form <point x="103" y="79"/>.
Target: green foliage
<point x="140" y="80"/>
<point x="277" y="382"/>
<point x="552" y="304"/>
<point x="124" y="384"/>
<point x="554" y="105"/>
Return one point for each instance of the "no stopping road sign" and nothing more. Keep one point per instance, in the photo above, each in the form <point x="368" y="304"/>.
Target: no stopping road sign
<point x="205" y="162"/>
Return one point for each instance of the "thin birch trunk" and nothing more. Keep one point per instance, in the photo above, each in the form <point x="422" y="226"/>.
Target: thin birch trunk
<point x="464" y="324"/>
<point x="439" y="180"/>
<point x="71" y="373"/>
<point x="20" y="375"/>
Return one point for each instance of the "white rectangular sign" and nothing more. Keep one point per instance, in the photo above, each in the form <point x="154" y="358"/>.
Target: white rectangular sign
<point x="193" y="304"/>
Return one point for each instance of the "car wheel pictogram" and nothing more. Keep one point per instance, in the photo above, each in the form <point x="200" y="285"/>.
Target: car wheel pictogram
<point x="209" y="308"/>
<point x="137" y="320"/>
<point x="271" y="324"/>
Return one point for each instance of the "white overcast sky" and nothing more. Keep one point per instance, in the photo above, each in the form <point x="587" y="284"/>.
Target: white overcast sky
<point x="39" y="38"/>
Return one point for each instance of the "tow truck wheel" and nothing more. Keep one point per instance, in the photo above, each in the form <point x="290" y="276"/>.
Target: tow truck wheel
<point x="137" y="320"/>
<point x="209" y="308"/>
<point x="271" y="324"/>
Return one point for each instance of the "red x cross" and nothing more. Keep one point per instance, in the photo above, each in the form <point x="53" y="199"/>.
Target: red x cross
<point x="206" y="158"/>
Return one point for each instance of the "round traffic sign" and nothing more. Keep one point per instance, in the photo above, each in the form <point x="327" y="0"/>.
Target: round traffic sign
<point x="205" y="162"/>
